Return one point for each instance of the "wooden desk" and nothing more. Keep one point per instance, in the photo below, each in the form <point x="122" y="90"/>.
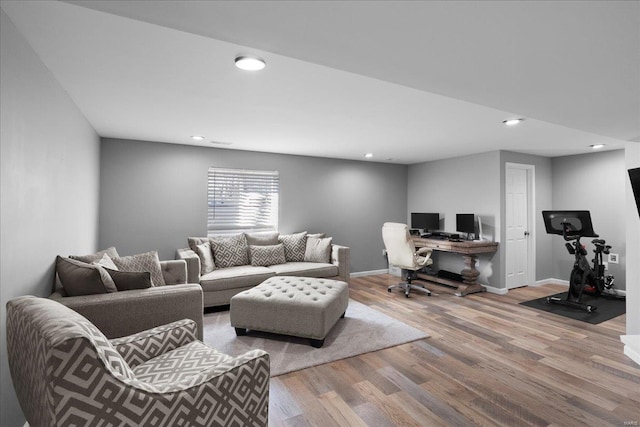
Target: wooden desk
<point x="469" y="251"/>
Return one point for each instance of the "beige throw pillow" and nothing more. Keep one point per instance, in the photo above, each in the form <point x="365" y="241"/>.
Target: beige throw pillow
<point x="207" y="265"/>
<point x="230" y="251"/>
<point x="318" y="250"/>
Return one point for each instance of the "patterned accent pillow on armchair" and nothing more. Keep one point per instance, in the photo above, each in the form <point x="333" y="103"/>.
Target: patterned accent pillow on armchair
<point x="147" y="261"/>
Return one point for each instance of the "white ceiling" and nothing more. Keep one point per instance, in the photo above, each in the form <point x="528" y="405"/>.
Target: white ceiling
<point x="408" y="81"/>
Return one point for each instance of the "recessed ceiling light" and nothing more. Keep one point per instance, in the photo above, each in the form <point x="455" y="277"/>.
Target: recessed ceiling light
<point x="250" y="63"/>
<point x="597" y="146"/>
<point x="512" y="122"/>
<point x="368" y="155"/>
<point x="197" y="138"/>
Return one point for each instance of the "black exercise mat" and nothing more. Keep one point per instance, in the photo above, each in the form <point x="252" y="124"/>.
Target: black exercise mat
<point x="608" y="308"/>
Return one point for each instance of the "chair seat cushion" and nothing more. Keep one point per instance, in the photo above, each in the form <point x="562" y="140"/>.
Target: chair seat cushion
<point x="179" y="364"/>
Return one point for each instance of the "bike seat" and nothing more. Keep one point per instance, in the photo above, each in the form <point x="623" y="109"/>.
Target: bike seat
<point x="598" y="242"/>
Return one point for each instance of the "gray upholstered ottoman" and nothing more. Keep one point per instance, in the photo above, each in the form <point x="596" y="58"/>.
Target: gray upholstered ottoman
<point x="304" y="307"/>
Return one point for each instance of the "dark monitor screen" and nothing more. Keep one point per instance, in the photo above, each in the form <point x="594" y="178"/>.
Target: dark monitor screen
<point x="569" y="223"/>
<point x="425" y="221"/>
<point x="465" y="223"/>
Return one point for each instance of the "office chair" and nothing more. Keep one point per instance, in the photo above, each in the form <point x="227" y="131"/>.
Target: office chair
<point x="402" y="253"/>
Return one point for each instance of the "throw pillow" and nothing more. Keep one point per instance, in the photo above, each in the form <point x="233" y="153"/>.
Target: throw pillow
<point x="268" y="238"/>
<point x="129" y="280"/>
<point x="230" y="251"/>
<point x="79" y="278"/>
<point x="95" y="257"/>
<point x="294" y="246"/>
<point x="105" y="262"/>
<point x="317" y="235"/>
<point x="195" y="241"/>
<point x="267" y="255"/>
<point x="206" y="258"/>
<point x="147" y="261"/>
<point x="318" y="250"/>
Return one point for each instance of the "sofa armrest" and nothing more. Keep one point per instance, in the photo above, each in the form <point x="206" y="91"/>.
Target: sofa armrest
<point x="340" y="257"/>
<point x="119" y="314"/>
<point x="145" y="345"/>
<point x="174" y="271"/>
<point x="193" y="264"/>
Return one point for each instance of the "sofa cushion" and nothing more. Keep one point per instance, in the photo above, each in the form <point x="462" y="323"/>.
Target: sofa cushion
<point x="207" y="265"/>
<point x="294" y="246"/>
<point x="268" y="238"/>
<point x="129" y="280"/>
<point x="305" y="269"/>
<point x="180" y="364"/>
<point x="266" y="255"/>
<point x="79" y="278"/>
<point x="234" y="277"/>
<point x="318" y="250"/>
<point x="147" y="261"/>
<point x="96" y="256"/>
<point x="230" y="251"/>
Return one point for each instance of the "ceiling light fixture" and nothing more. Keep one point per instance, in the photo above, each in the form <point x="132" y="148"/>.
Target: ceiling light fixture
<point x="512" y="122"/>
<point x="250" y="63"/>
<point x="197" y="138"/>
<point x="368" y="155"/>
<point x="597" y="146"/>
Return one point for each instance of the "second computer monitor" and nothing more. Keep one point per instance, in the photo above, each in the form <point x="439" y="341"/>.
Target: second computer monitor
<point x="425" y="221"/>
<point x="465" y="223"/>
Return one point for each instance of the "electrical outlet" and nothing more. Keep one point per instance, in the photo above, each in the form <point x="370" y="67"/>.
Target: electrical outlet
<point x="613" y="258"/>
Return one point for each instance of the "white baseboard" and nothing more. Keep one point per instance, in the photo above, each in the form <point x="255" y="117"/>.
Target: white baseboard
<point x="631" y="347"/>
<point x="494" y="290"/>
<point x="369" y="273"/>
<point x="551" y="281"/>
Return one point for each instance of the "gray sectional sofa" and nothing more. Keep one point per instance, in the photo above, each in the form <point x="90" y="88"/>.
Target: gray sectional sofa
<point x="227" y="265"/>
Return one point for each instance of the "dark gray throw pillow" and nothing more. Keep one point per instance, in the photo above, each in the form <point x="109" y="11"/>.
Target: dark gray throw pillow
<point x="129" y="280"/>
<point x="79" y="278"/>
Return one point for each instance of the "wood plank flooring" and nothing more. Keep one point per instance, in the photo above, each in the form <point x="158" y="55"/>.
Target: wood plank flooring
<point x="488" y="362"/>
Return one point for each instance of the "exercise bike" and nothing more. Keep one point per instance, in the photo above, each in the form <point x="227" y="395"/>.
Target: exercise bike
<point x="584" y="279"/>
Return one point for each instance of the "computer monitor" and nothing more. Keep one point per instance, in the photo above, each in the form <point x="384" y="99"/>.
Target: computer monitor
<point x="569" y="223"/>
<point x="425" y="221"/>
<point x="466" y="223"/>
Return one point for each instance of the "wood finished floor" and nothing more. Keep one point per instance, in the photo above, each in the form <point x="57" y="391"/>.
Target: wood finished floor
<point x="488" y="362"/>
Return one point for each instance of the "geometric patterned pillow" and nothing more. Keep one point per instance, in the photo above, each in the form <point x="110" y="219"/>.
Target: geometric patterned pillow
<point x="318" y="250"/>
<point x="106" y="262"/>
<point x="267" y="255"/>
<point x="230" y="251"/>
<point x="148" y="261"/>
<point x="294" y="246"/>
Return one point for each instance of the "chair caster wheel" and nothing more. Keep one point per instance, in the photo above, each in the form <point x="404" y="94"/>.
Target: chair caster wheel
<point x="389" y="290"/>
<point x="406" y="295"/>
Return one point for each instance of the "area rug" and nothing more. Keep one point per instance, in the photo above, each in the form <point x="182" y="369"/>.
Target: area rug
<point x="362" y="330"/>
<point x="607" y="308"/>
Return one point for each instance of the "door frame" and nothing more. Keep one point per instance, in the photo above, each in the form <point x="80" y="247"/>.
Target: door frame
<point x="531" y="218"/>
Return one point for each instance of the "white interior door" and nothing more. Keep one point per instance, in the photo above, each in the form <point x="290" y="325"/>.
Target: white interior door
<point x="518" y="184"/>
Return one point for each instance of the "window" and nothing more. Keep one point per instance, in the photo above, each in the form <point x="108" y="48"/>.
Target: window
<point x="242" y="200"/>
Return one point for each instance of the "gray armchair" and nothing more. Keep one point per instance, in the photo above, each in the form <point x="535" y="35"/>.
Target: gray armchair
<point x="66" y="372"/>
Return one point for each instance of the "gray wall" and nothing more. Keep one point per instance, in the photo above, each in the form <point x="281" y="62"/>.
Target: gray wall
<point x="594" y="182"/>
<point x="468" y="184"/>
<point x="632" y="160"/>
<point x="153" y="196"/>
<point x="543" y="200"/>
<point x="49" y="186"/>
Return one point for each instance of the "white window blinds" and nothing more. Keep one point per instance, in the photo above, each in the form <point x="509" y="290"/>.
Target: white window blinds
<point x="242" y="200"/>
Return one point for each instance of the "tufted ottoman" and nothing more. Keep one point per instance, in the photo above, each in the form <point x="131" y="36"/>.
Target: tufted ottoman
<point x="304" y="307"/>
